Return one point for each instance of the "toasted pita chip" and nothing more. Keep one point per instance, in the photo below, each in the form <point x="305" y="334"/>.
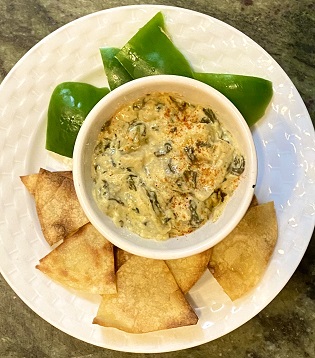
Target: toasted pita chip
<point x="187" y="271"/>
<point x="84" y="261"/>
<point x="239" y="261"/>
<point x="57" y="205"/>
<point x="148" y="299"/>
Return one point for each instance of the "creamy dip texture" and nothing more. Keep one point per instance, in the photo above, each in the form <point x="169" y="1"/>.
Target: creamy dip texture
<point x="162" y="167"/>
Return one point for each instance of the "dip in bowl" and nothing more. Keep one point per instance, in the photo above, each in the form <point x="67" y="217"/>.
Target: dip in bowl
<point x="164" y="167"/>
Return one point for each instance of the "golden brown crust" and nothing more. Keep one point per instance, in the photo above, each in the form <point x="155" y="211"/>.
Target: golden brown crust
<point x="30" y="182"/>
<point x="188" y="270"/>
<point x="239" y="261"/>
<point x="148" y="299"/>
<point x="121" y="256"/>
<point x="84" y="261"/>
<point x="57" y="205"/>
<point x="254" y="201"/>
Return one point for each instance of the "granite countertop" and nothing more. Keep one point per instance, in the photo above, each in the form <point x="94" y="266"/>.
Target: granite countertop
<point x="286" y="30"/>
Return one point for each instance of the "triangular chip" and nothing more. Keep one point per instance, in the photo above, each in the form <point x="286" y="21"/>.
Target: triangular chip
<point x="67" y="174"/>
<point x="30" y="182"/>
<point x="148" y="299"/>
<point x="254" y="201"/>
<point x="121" y="256"/>
<point x="188" y="270"/>
<point x="239" y="261"/>
<point x="84" y="261"/>
<point x="59" y="211"/>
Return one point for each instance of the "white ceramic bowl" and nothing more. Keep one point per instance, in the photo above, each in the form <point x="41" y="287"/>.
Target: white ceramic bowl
<point x="211" y="232"/>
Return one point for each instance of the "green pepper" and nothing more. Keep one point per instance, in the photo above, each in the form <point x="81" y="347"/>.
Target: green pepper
<point x="69" y="105"/>
<point x="115" y="72"/>
<point x="151" y="52"/>
<point x="250" y="95"/>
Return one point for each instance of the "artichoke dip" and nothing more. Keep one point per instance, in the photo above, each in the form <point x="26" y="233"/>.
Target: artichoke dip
<point x="162" y="167"/>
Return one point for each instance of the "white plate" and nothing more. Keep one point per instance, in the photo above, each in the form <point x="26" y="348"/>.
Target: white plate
<point x="284" y="140"/>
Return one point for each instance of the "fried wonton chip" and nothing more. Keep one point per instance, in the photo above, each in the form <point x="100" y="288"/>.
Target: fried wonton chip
<point x="187" y="271"/>
<point x="84" y="261"/>
<point x="239" y="261"/>
<point x="57" y="205"/>
<point x="148" y="299"/>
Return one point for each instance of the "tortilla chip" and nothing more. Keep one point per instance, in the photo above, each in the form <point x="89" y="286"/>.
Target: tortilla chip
<point x="30" y="182"/>
<point x="121" y="256"/>
<point x="67" y="173"/>
<point x="57" y="205"/>
<point x="84" y="261"/>
<point x="187" y="271"/>
<point x="254" y="201"/>
<point x="148" y="299"/>
<point x="239" y="261"/>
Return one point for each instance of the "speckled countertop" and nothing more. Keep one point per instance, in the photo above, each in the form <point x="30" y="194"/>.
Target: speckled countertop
<point x="286" y="30"/>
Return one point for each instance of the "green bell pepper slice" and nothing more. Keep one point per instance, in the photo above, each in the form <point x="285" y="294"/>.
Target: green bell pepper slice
<point x="115" y="72"/>
<point x="250" y="95"/>
<point x="69" y="105"/>
<point x="151" y="52"/>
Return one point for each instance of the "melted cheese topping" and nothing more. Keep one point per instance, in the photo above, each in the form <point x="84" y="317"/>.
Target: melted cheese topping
<point x="162" y="167"/>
